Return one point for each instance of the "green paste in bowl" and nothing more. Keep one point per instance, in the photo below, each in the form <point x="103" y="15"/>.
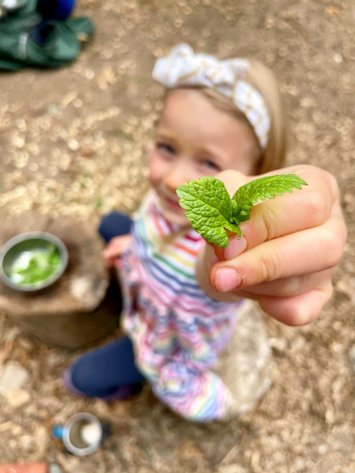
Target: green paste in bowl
<point x="33" y="260"/>
<point x="33" y="266"/>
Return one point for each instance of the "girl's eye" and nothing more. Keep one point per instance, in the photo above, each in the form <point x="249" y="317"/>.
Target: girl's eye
<point x="210" y="165"/>
<point x="165" y="148"/>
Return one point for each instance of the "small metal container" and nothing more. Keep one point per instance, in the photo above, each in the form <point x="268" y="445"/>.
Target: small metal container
<point x="82" y="434"/>
<point x="24" y="244"/>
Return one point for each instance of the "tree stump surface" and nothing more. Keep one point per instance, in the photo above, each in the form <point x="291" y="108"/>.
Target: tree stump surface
<point x="68" y="312"/>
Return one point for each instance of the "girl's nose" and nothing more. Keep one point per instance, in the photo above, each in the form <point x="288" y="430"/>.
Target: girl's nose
<point x="176" y="176"/>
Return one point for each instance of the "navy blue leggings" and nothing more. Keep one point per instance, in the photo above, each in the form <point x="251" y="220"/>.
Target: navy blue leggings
<point x="102" y="370"/>
<point x="114" y="224"/>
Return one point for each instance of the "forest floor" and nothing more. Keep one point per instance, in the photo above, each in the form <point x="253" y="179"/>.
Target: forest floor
<point x="73" y="141"/>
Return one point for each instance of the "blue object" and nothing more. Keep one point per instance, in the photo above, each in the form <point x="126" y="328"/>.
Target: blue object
<point x="55" y="9"/>
<point x="101" y="371"/>
<point x="57" y="431"/>
<point x="115" y="224"/>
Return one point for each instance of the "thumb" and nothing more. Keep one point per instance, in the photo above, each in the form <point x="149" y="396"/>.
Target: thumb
<point x="232" y="181"/>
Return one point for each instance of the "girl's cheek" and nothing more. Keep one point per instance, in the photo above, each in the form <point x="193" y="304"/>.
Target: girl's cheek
<point x="155" y="171"/>
<point x="152" y="179"/>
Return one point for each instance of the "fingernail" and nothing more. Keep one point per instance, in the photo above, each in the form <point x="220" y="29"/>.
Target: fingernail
<point x="226" y="279"/>
<point x="235" y="247"/>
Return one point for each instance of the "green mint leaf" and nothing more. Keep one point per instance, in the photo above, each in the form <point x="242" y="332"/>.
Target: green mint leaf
<point x="212" y="212"/>
<point x="265" y="188"/>
<point x="209" y="209"/>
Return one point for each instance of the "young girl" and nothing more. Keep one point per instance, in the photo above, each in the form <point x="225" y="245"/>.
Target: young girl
<point x="178" y="314"/>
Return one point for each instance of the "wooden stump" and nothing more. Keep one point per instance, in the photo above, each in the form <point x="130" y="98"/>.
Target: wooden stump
<point x="78" y="308"/>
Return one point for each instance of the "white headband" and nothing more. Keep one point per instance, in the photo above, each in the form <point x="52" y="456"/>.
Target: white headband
<point x="183" y="67"/>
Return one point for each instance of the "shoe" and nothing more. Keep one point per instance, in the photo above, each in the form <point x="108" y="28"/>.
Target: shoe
<point x="120" y="393"/>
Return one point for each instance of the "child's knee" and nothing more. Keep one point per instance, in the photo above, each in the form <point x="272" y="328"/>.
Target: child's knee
<point x="114" y="224"/>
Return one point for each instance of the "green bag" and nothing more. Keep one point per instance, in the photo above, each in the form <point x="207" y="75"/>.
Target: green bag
<point x="17" y="7"/>
<point x="26" y="40"/>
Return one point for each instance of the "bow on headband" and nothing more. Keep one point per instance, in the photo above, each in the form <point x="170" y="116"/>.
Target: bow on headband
<point x="183" y="67"/>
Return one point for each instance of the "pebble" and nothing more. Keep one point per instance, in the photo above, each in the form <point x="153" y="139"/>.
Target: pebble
<point x="18" y="397"/>
<point x="295" y="405"/>
<point x="12" y="377"/>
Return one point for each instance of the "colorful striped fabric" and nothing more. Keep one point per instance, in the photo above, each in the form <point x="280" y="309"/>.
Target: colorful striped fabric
<point x="176" y="329"/>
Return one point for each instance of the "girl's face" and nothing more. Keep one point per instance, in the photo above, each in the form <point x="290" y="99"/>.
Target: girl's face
<point x="195" y="139"/>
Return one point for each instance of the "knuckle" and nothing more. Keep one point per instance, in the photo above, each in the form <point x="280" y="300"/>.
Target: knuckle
<point x="269" y="266"/>
<point x="263" y="226"/>
<point x="295" y="317"/>
<point x="331" y="246"/>
<point x="332" y="184"/>
<point x="309" y="170"/>
<point x="298" y="316"/>
<point x="270" y="223"/>
<point x="316" y="208"/>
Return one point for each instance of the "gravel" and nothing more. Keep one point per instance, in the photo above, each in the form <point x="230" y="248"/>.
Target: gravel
<point x="74" y="141"/>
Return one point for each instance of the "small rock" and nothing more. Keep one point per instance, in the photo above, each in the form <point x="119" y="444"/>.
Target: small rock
<point x="279" y="345"/>
<point x="12" y="376"/>
<point x="18" y="397"/>
<point x="87" y="152"/>
<point x="41" y="438"/>
<point x="55" y="468"/>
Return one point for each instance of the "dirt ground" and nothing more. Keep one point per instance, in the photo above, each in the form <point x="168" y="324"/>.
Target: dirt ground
<point x="73" y="141"/>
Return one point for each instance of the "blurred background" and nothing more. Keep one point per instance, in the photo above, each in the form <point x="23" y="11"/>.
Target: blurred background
<point x="74" y="141"/>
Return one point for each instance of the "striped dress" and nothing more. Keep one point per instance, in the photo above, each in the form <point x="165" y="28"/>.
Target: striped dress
<point x="176" y="329"/>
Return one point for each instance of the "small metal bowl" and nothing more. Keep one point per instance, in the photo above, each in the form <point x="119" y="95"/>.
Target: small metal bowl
<point x="22" y="246"/>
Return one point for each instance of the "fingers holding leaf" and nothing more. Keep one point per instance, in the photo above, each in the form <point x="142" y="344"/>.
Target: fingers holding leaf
<point x="213" y="213"/>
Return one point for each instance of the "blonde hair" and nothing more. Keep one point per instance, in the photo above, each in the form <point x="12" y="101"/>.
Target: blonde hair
<point x="262" y="78"/>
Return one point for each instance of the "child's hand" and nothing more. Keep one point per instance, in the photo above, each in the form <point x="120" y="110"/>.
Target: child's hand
<point x="115" y="248"/>
<point x="289" y="249"/>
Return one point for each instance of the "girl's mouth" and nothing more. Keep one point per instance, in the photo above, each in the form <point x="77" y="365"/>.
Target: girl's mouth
<point x="173" y="203"/>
